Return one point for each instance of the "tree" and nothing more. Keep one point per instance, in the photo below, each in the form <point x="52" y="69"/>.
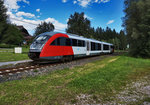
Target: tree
<point x="12" y="35"/>
<point x="99" y="33"/>
<point x="78" y="24"/>
<point x="44" y="27"/>
<point x="137" y="25"/>
<point x="123" y="40"/>
<point x="3" y="18"/>
<point x="9" y="34"/>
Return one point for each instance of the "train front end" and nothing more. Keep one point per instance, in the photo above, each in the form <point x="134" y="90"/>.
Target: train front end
<point x="37" y="45"/>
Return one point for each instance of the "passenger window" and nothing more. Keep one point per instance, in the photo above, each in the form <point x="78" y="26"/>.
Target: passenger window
<point x="99" y="46"/>
<point x="54" y="42"/>
<point x="106" y="47"/>
<point x="62" y="41"/>
<point x="92" y="46"/>
<point x="58" y="41"/>
<point x="79" y="43"/>
<point x="96" y="46"/>
<point x="74" y="42"/>
<point x="68" y="42"/>
<point x="83" y="43"/>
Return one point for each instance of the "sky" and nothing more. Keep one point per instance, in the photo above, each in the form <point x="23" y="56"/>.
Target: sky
<point x="30" y="13"/>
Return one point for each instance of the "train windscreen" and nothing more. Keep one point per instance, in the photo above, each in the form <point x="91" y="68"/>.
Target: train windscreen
<point x="42" y="39"/>
<point x="39" y="42"/>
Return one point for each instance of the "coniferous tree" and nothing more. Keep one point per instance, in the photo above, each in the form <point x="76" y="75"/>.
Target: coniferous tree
<point x="123" y="40"/>
<point x="137" y="25"/>
<point x="12" y="35"/>
<point x="78" y="24"/>
<point x="3" y="19"/>
<point x="3" y="10"/>
<point x="44" y="27"/>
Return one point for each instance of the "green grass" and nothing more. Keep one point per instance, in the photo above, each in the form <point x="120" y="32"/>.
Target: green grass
<point x="100" y="79"/>
<point x="9" y="55"/>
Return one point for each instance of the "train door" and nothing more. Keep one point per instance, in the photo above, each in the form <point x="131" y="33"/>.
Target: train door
<point x="87" y="48"/>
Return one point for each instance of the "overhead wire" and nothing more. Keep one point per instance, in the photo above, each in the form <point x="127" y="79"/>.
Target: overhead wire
<point x="33" y="23"/>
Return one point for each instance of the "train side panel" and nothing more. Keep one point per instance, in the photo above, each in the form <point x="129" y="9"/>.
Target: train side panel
<point x="52" y="51"/>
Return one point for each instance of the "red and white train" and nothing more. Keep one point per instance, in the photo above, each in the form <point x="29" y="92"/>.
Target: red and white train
<point x="60" y="46"/>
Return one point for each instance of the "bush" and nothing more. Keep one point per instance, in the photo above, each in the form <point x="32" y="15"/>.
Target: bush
<point x="7" y="46"/>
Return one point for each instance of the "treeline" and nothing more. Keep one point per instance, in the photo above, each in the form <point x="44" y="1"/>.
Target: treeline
<point x="78" y="24"/>
<point x="136" y="23"/>
<point x="9" y="34"/>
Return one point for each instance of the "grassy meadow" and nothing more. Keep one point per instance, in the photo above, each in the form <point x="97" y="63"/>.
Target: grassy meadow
<point x="9" y="55"/>
<point x="101" y="79"/>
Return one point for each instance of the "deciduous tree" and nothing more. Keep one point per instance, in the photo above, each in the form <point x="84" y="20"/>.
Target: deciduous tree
<point x="137" y="25"/>
<point x="44" y="27"/>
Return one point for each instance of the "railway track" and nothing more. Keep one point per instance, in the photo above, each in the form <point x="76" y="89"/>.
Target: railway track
<point x="11" y="71"/>
<point x="34" y="66"/>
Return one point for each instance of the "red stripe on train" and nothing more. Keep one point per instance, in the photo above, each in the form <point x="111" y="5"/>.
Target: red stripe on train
<point x="51" y="50"/>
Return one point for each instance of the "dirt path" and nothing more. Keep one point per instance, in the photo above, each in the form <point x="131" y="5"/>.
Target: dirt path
<point x="136" y="93"/>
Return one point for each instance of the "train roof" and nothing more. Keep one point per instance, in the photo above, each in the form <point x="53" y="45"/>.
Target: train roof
<point x="49" y="33"/>
<point x="75" y="36"/>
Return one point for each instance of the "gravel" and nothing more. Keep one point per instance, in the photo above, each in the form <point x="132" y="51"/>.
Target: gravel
<point x="136" y="93"/>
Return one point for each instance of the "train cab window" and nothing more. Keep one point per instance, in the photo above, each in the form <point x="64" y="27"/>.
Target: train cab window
<point x="99" y="46"/>
<point x="41" y="39"/>
<point x="74" y="42"/>
<point x="106" y="47"/>
<point x="68" y="42"/>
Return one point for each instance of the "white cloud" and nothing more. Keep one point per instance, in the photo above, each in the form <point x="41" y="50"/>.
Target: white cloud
<point x="17" y="17"/>
<point x="74" y="2"/>
<point x="30" y="25"/>
<point x="67" y="20"/>
<point x="58" y="25"/>
<point x="96" y="1"/>
<point x="37" y="10"/>
<point x="104" y="1"/>
<point x="25" y="1"/>
<point x="110" y="22"/>
<point x="12" y="4"/>
<point x="86" y="16"/>
<point x="28" y="15"/>
<point x="86" y="3"/>
<point x="64" y="1"/>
